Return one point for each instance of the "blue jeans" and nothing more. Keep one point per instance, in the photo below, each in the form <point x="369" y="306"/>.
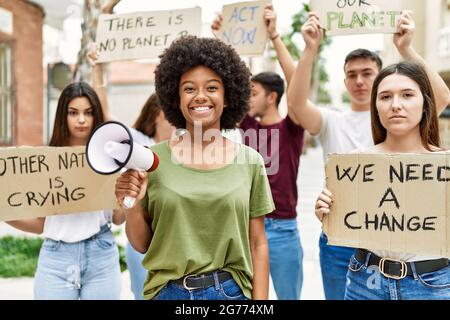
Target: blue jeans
<point x="286" y="257"/>
<point x="227" y="290"/>
<point x="138" y="273"/>
<point x="86" y="270"/>
<point x="334" y="265"/>
<point x="367" y="283"/>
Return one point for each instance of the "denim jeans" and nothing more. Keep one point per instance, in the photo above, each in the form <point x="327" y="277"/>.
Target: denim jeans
<point x="138" y="273"/>
<point x="334" y="265"/>
<point x="286" y="257"/>
<point x="86" y="270"/>
<point x="227" y="290"/>
<point x="367" y="283"/>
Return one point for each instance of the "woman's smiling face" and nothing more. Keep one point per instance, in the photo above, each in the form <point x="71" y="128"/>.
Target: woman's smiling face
<point x="202" y="95"/>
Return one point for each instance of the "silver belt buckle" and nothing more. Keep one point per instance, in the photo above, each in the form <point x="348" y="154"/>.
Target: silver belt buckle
<point x="185" y="284"/>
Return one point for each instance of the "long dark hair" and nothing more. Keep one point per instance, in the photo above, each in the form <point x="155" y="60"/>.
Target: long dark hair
<point x="429" y="127"/>
<point x="145" y="123"/>
<point x="60" y="136"/>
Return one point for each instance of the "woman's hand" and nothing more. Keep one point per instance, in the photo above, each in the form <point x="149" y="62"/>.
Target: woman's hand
<point x="131" y="183"/>
<point x="323" y="204"/>
<point x="92" y="54"/>
<point x="405" y="31"/>
<point x="217" y="25"/>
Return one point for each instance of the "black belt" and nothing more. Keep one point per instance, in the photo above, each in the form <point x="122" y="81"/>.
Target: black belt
<point x="399" y="269"/>
<point x="192" y="282"/>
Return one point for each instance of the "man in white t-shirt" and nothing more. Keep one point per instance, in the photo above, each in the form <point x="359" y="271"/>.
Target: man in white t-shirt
<point x="342" y="132"/>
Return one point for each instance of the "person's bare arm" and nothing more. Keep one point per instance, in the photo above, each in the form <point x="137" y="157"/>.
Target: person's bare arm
<point x="118" y="217"/>
<point x="29" y="225"/>
<point x="259" y="249"/>
<point x="403" y="40"/>
<point x="98" y="81"/>
<point x="283" y="55"/>
<point x="302" y="110"/>
<point x="138" y="224"/>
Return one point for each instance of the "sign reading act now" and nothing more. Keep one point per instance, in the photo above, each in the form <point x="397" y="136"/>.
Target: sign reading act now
<point x="398" y="203"/>
<point x="244" y="28"/>
<point x="42" y="181"/>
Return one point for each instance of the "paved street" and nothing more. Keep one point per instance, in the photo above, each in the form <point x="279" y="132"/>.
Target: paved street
<point x="310" y="183"/>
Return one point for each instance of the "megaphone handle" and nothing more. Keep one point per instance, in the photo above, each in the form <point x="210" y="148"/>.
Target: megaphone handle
<point x="128" y="202"/>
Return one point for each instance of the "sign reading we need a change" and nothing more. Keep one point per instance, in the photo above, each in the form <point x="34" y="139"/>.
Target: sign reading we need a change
<point x="141" y="35"/>
<point x="398" y="203"/>
<point x="243" y="27"/>
<point x="344" y="17"/>
<point x="42" y="181"/>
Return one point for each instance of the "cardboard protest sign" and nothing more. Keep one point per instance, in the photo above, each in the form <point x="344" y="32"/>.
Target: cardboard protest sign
<point x="344" y="17"/>
<point x="398" y="203"/>
<point x="143" y="34"/>
<point x="42" y="181"/>
<point x="243" y="27"/>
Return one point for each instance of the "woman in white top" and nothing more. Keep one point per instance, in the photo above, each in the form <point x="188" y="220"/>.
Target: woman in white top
<point x="404" y="120"/>
<point x="79" y="258"/>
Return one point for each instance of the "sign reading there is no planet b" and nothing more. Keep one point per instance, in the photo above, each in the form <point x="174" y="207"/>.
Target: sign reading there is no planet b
<point x="344" y="17"/>
<point x="243" y="27"/>
<point x="144" y="35"/>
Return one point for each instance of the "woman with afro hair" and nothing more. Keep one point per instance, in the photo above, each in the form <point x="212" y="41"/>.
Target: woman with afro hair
<point x="200" y="216"/>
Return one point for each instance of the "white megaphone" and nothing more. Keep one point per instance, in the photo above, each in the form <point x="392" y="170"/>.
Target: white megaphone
<point x="111" y="148"/>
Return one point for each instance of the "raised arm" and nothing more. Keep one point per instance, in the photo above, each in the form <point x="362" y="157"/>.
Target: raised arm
<point x="98" y="81"/>
<point x="283" y="55"/>
<point x="300" y="109"/>
<point x="403" y="40"/>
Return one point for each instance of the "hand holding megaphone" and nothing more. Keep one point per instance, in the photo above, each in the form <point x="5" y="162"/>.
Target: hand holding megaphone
<point x="131" y="184"/>
<point x="111" y="148"/>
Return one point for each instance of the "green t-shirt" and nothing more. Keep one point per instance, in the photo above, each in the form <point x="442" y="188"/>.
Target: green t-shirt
<point x="200" y="218"/>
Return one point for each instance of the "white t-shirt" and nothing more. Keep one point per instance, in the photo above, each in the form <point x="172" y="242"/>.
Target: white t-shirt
<point x="344" y="131"/>
<point x="347" y="131"/>
<point x="75" y="227"/>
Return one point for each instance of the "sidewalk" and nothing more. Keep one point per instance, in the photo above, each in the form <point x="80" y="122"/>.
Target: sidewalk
<point x="310" y="183"/>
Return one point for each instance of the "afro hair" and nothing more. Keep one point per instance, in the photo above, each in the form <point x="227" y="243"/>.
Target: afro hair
<point x="189" y="52"/>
